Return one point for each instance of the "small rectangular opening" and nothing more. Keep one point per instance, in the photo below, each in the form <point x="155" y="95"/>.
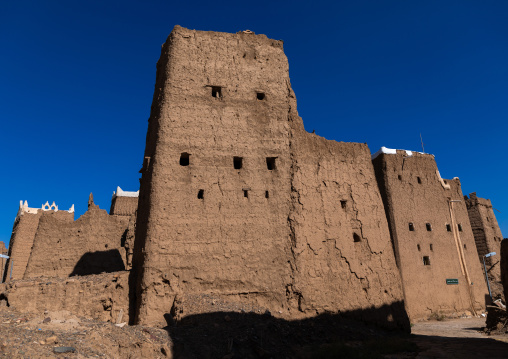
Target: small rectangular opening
<point x="399" y="177"/>
<point x="270" y="163"/>
<point x="184" y="159"/>
<point x="418" y="246"/>
<point x="419" y="180"/>
<point x="411" y="227"/>
<point x="448" y="228"/>
<point x="460" y="227"/>
<point x="426" y="261"/>
<point x="237" y="162"/>
<point x="431" y="248"/>
<point x="260" y="96"/>
<point x="246" y="193"/>
<point x="429" y="227"/>
<point x="343" y="204"/>
<point x="267" y="194"/>
<point x="356" y="238"/>
<point x="217" y="92"/>
<point x="465" y="246"/>
<point x="201" y="194"/>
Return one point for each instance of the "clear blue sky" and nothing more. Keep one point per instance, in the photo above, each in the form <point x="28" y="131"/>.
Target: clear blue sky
<point x="77" y="78"/>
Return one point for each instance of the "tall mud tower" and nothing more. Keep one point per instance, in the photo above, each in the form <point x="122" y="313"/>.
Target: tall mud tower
<point x="240" y="208"/>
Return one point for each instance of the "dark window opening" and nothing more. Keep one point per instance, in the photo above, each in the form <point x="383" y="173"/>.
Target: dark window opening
<point x="448" y="228"/>
<point x="418" y="246"/>
<point x="429" y="227"/>
<point x="465" y="246"/>
<point x="246" y="193"/>
<point x="184" y="159"/>
<point x="343" y="204"/>
<point x="419" y="180"/>
<point x="445" y="182"/>
<point x="260" y="96"/>
<point x="270" y="163"/>
<point x="460" y="227"/>
<point x="267" y="194"/>
<point x="217" y="92"/>
<point x="400" y="177"/>
<point x="356" y="238"/>
<point x="431" y="248"/>
<point x="426" y="261"/>
<point x="237" y="162"/>
<point x="411" y="227"/>
<point x="201" y="194"/>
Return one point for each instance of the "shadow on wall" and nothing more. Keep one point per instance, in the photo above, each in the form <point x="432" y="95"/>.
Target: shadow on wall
<point x="99" y="262"/>
<point x="250" y="335"/>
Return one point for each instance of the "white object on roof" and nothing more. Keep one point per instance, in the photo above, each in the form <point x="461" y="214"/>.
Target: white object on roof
<point x="120" y="193"/>
<point x="391" y="151"/>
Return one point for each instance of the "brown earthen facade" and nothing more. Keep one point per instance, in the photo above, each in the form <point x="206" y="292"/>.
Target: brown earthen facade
<point x="488" y="237"/>
<point x="23" y="234"/>
<point x="124" y="203"/>
<point x="90" y="245"/>
<point x="239" y="204"/>
<point x="3" y="261"/>
<point x="432" y="238"/>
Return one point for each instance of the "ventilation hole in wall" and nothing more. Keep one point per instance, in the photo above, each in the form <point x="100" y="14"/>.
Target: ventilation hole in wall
<point x="426" y="261"/>
<point x="411" y="227"/>
<point x="343" y="204"/>
<point x="429" y="227"/>
<point x="356" y="238"/>
<point x="448" y="228"/>
<point x="445" y="181"/>
<point x="201" y="194"/>
<point x="260" y="96"/>
<point x="431" y="248"/>
<point x="184" y="159"/>
<point x="400" y="177"/>
<point x="465" y="246"/>
<point x="267" y="194"/>
<point x="419" y="180"/>
<point x="217" y="92"/>
<point x="270" y="163"/>
<point x="418" y="246"/>
<point x="105" y="246"/>
<point x="246" y="193"/>
<point x="237" y="162"/>
<point x="460" y="227"/>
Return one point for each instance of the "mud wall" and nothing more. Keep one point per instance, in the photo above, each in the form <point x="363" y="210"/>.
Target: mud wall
<point x="226" y="165"/>
<point x="100" y="297"/>
<point x="432" y="242"/>
<point x="4" y="251"/>
<point x="488" y="236"/>
<point x="90" y="245"/>
<point x="123" y="206"/>
<point x="504" y="267"/>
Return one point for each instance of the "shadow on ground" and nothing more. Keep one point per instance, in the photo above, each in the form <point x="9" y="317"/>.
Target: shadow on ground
<point x="231" y="335"/>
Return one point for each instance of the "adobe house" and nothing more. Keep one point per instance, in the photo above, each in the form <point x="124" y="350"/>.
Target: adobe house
<point x="431" y="235"/>
<point x="239" y="205"/>
<point x="488" y="237"/>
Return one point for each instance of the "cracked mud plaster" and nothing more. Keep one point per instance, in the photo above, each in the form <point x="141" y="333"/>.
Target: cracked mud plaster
<point x="294" y="252"/>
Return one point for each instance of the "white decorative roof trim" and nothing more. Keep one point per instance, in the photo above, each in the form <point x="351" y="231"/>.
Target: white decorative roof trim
<point x="391" y="151"/>
<point x="121" y="193"/>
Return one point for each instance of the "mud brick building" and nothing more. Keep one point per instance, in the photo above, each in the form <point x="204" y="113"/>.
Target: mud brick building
<point x="239" y="204"/>
<point x="124" y="203"/>
<point x="432" y="238"/>
<point x="487" y="236"/>
<point x="23" y="235"/>
<point x="3" y="261"/>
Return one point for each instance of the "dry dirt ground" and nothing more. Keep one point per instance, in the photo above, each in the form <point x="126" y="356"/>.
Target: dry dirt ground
<point x="241" y="335"/>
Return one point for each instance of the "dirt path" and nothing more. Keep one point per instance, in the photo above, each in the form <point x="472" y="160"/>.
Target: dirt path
<point x="458" y="338"/>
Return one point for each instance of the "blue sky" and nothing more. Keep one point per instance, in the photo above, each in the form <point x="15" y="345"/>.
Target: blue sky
<point x="77" y="78"/>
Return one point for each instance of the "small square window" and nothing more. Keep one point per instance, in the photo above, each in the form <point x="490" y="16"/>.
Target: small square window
<point x="426" y="261"/>
<point x="419" y="180"/>
<point x="184" y="159"/>
<point x="448" y="228"/>
<point x="343" y="204"/>
<point x="270" y="163"/>
<point x="267" y="194"/>
<point x="465" y="247"/>
<point x="356" y="238"/>
<point x="246" y="193"/>
<point x="411" y="227"/>
<point x="237" y="162"/>
<point x="201" y="194"/>
<point x="217" y="92"/>
<point x="399" y="177"/>
<point x="418" y="246"/>
<point x="429" y="226"/>
<point x="431" y="248"/>
<point x="460" y="227"/>
<point x="260" y="96"/>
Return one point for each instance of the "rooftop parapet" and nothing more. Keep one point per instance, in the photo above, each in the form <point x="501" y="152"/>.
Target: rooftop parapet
<point x="23" y="208"/>
<point x="121" y="193"/>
